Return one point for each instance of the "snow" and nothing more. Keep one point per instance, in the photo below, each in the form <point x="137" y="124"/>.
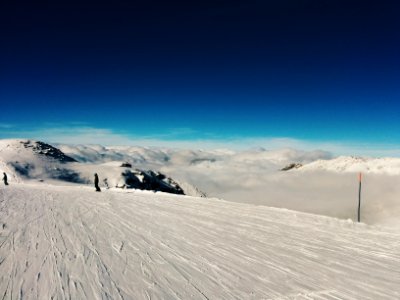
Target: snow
<point x="68" y="242"/>
<point x="190" y="157"/>
<point x="325" y="187"/>
<point x="25" y="160"/>
<point x="61" y="240"/>
<point x="387" y="165"/>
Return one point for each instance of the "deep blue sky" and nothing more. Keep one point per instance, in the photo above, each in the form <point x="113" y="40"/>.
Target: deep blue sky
<point x="312" y="70"/>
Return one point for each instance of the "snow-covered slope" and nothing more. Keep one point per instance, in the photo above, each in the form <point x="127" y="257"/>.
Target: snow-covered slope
<point x="26" y="160"/>
<point x="72" y="243"/>
<point x="389" y="166"/>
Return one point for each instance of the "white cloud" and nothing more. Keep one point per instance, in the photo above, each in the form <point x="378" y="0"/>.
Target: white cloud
<point x="251" y="176"/>
<point x="254" y="176"/>
<point x="178" y="138"/>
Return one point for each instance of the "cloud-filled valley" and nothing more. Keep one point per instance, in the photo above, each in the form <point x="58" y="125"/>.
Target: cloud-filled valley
<point x="314" y="181"/>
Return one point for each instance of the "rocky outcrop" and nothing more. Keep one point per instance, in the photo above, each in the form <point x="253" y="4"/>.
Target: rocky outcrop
<point x="47" y="150"/>
<point x="291" y="166"/>
<point x="149" y="180"/>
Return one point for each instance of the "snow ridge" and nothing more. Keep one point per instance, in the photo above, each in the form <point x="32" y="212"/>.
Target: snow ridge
<point x="351" y="164"/>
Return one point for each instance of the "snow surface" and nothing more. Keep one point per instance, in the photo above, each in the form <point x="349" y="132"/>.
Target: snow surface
<point x="25" y="160"/>
<point x="327" y="187"/>
<point x="387" y="165"/>
<point x="68" y="242"/>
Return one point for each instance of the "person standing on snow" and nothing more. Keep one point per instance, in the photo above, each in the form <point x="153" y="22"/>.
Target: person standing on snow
<point x="96" y="182"/>
<point x="5" y="178"/>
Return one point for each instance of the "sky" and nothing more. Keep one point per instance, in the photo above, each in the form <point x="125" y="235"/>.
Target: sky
<point x="313" y="72"/>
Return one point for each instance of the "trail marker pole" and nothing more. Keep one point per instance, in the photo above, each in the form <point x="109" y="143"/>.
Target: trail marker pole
<point x="359" y="196"/>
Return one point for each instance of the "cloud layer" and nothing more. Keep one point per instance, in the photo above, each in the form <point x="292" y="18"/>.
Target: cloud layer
<point x="253" y="176"/>
<point x="186" y="138"/>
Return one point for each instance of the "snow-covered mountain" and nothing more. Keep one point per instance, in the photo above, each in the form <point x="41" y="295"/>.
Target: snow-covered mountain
<point x="356" y="164"/>
<point x="25" y="160"/>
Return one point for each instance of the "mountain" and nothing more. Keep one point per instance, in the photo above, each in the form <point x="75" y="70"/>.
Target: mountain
<point x="28" y="150"/>
<point x="27" y="160"/>
<point x="47" y="150"/>
<point x="351" y="164"/>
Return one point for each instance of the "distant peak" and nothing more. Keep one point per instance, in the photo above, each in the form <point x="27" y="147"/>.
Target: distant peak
<point x="48" y="150"/>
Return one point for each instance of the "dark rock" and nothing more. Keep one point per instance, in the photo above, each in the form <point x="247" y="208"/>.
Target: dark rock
<point x="66" y="175"/>
<point x="201" y="160"/>
<point x="126" y="165"/>
<point x="150" y="180"/>
<point x="23" y="169"/>
<point x="48" y="150"/>
<point x="291" y="166"/>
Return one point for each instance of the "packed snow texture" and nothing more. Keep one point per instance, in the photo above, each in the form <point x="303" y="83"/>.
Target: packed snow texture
<point x="68" y="242"/>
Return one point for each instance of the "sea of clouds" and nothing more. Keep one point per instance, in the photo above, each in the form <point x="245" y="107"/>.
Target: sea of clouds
<point x="254" y="176"/>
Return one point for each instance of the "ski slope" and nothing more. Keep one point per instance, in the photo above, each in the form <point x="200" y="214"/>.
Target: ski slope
<point x="72" y="243"/>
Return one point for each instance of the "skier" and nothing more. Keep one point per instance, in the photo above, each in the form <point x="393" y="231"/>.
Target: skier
<point x="96" y="182"/>
<point x="5" y="178"/>
<point x="106" y="183"/>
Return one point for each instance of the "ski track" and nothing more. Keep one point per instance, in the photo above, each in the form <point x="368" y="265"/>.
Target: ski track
<point x="72" y="243"/>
